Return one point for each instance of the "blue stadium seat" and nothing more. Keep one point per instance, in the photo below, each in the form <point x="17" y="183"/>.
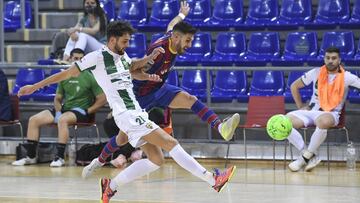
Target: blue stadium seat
<point x="163" y="11"/>
<point x="12" y="15"/>
<point x="294" y="13"/>
<point x="137" y="46"/>
<point x="263" y="47"/>
<point x="299" y="48"/>
<point x="194" y="82"/>
<point x="330" y="13"/>
<point x="261" y="13"/>
<point x="342" y="40"/>
<point x="28" y="76"/>
<point x="173" y="78"/>
<point x="133" y="11"/>
<point x="226" y="13"/>
<point x="229" y="48"/>
<point x="200" y="50"/>
<point x="267" y="83"/>
<point x="305" y="92"/>
<point x="109" y="8"/>
<point x="200" y="12"/>
<point x="49" y="92"/>
<point x="354" y="21"/>
<point x="230" y="85"/>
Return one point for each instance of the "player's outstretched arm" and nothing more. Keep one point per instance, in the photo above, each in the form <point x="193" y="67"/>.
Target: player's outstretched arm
<point x="73" y="71"/>
<point x="184" y="11"/>
<point x="139" y="74"/>
<point x="141" y="63"/>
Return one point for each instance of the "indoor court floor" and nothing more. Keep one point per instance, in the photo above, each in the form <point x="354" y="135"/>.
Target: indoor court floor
<point x="256" y="183"/>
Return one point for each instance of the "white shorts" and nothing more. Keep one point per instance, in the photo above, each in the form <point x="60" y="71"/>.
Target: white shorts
<point x="309" y="117"/>
<point x="136" y="124"/>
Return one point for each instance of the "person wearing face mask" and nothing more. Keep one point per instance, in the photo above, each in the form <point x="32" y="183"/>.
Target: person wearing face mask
<point x="89" y="33"/>
<point x="330" y="87"/>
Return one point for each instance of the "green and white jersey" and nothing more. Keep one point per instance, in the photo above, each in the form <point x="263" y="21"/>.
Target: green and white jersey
<point x="111" y="71"/>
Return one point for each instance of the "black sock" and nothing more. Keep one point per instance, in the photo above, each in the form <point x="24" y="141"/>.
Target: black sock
<point x="60" y="150"/>
<point x="31" y="148"/>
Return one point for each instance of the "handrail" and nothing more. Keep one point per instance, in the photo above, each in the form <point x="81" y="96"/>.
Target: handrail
<point x="2" y="36"/>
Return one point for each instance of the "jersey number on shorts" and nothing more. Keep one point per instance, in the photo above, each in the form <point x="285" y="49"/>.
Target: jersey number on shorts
<point x="140" y="120"/>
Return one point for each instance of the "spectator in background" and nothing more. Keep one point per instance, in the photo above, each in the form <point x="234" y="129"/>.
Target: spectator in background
<point x="88" y="34"/>
<point x="75" y="100"/>
<point x="5" y="103"/>
<point x="330" y="87"/>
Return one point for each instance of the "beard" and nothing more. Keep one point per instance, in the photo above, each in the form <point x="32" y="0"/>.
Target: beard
<point x="118" y="50"/>
<point x="332" y="67"/>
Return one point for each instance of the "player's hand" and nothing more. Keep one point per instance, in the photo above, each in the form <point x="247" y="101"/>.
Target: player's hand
<point x="74" y="36"/>
<point x="184" y="8"/>
<point x="155" y="53"/>
<point x="57" y="116"/>
<point x="26" y="90"/>
<point x="154" y="78"/>
<point x="71" y="30"/>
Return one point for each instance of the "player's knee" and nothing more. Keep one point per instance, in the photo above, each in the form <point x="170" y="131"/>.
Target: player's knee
<point x="158" y="160"/>
<point x="63" y="121"/>
<point x="324" y="123"/>
<point x="34" y="120"/>
<point x="295" y="122"/>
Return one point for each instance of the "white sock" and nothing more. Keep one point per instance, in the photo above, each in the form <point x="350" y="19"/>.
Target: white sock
<point x="296" y="139"/>
<point x="317" y="138"/>
<point x="190" y="164"/>
<point x="135" y="170"/>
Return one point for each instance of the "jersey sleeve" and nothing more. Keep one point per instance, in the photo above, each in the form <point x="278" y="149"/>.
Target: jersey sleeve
<point x="309" y="77"/>
<point x="88" y="61"/>
<point x="354" y="80"/>
<point x="95" y="88"/>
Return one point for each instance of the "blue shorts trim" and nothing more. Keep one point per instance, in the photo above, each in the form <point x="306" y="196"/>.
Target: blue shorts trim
<point x="160" y="98"/>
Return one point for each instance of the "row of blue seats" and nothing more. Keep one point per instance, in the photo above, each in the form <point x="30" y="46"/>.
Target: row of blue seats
<point x="226" y="13"/>
<point x="230" y="13"/>
<point x="262" y="48"/>
<point x="228" y="85"/>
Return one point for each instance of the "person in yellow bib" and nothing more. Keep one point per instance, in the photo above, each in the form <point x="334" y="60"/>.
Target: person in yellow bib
<point x="331" y="83"/>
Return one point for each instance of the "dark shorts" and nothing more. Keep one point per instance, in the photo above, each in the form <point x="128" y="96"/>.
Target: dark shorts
<point x="79" y="117"/>
<point x="161" y="98"/>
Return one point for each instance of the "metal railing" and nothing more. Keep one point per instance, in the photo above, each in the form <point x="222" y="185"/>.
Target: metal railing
<point x="207" y="68"/>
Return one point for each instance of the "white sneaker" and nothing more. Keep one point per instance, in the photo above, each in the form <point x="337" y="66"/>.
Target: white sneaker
<point x="297" y="164"/>
<point x="229" y="126"/>
<point x="57" y="162"/>
<point x="313" y="162"/>
<point x="24" y="161"/>
<point x="89" y="169"/>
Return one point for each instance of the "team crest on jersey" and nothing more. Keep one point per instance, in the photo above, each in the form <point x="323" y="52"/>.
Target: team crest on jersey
<point x="149" y="125"/>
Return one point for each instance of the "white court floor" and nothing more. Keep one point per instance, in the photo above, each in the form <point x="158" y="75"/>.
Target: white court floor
<point x="256" y="183"/>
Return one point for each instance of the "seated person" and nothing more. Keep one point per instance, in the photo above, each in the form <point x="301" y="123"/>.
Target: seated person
<point x="5" y="103"/>
<point x="75" y="100"/>
<point x="89" y="33"/>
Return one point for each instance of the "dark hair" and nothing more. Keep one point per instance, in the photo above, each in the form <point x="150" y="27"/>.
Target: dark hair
<point x="184" y="28"/>
<point x="99" y="12"/>
<point x="77" y="51"/>
<point x="118" y="29"/>
<point x="332" y="50"/>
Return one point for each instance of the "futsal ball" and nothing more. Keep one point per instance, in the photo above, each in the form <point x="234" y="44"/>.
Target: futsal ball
<point x="279" y="127"/>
